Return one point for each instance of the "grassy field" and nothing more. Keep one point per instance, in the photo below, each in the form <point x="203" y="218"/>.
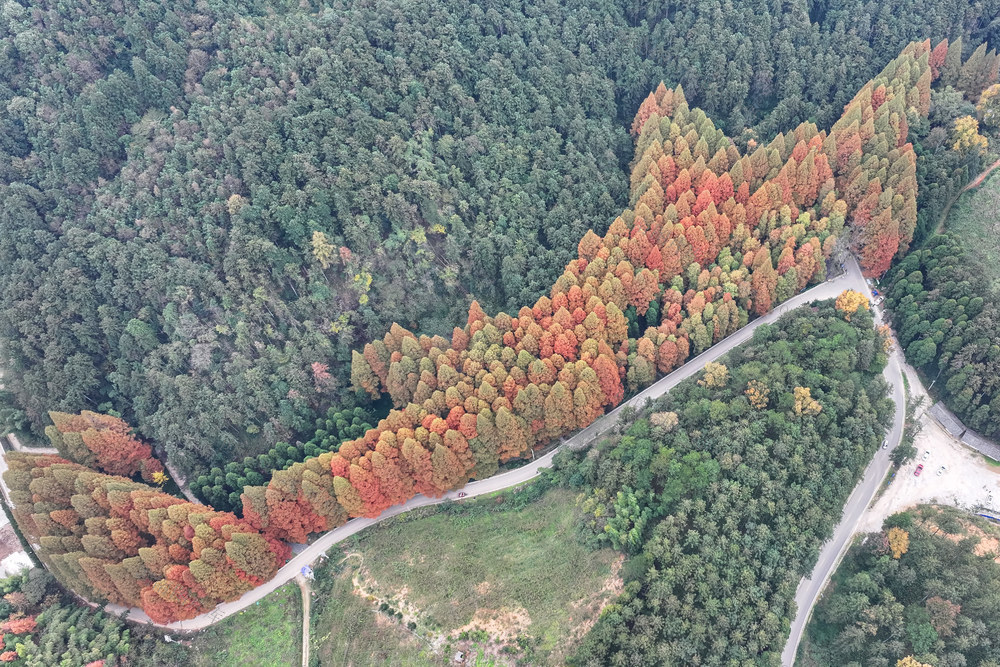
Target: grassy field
<point x="975" y="218"/>
<point x="503" y="579"/>
<point x="264" y="635"/>
<point x="346" y="630"/>
<point x="515" y="578"/>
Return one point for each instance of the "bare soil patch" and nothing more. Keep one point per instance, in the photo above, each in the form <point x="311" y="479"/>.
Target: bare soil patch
<point x="967" y="481"/>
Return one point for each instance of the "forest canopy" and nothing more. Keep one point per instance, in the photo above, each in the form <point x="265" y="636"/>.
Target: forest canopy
<point x="947" y="317"/>
<point x="923" y="586"/>
<point x="206" y="206"/>
<point x="43" y="625"/>
<point x="722" y="491"/>
<point x="227" y="269"/>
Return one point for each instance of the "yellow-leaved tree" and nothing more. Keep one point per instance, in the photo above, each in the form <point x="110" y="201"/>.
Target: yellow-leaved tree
<point x="899" y="541"/>
<point x="910" y="661"/>
<point x="885" y="333"/>
<point x="805" y="404"/>
<point x="967" y="137"/>
<point x="665" y="420"/>
<point x="849" y="301"/>
<point x="322" y="249"/>
<point x="716" y="375"/>
<point x="757" y="393"/>
<point x="988" y="108"/>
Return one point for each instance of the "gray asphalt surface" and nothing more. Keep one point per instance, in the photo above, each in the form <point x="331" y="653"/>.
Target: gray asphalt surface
<point x="807" y="594"/>
<point x="810" y="587"/>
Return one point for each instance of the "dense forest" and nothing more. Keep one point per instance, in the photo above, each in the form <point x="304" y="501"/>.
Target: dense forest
<point x="946" y="316"/>
<point x="722" y="491"/>
<point x="711" y="237"/>
<point x="942" y="297"/>
<point x="108" y="538"/>
<point x="924" y="588"/>
<point x="206" y="206"/>
<point x="43" y="626"/>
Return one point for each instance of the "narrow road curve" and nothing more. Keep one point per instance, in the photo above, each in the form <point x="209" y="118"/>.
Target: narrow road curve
<point x="181" y="483"/>
<point x="306" y="601"/>
<point x="16" y="443"/>
<point x="851" y="279"/>
<point x="810" y="587"/>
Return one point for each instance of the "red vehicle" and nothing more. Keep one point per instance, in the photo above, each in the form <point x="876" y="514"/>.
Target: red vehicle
<point x="462" y="494"/>
<point x="920" y="469"/>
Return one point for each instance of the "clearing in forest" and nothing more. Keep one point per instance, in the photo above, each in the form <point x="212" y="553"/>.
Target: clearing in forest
<point x="483" y="580"/>
<point x="974" y="218"/>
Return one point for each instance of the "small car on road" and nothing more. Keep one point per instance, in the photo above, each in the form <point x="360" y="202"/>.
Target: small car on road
<point x="941" y="471"/>
<point x="927" y="454"/>
<point x="885" y="444"/>
<point x="461" y="494"/>
<point x="920" y="469"/>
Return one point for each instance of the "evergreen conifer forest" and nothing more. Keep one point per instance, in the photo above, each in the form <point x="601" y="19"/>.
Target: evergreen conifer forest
<point x="316" y="259"/>
<point x="208" y="206"/>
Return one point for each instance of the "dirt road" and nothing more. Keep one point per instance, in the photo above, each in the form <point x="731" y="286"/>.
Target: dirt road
<point x="981" y="177"/>
<point x="306" y="602"/>
<point x="974" y="183"/>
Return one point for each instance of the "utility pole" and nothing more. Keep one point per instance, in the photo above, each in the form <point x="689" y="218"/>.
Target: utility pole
<point x="935" y="379"/>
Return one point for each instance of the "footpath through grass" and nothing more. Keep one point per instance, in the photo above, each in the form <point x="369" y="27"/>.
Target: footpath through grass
<point x="265" y="634"/>
<point x="346" y="630"/>
<point x="517" y="577"/>
<point x="974" y="218"/>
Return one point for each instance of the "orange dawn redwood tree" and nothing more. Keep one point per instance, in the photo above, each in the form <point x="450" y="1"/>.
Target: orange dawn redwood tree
<point x="103" y="442"/>
<point x="110" y="538"/>
<point x="712" y="237"/>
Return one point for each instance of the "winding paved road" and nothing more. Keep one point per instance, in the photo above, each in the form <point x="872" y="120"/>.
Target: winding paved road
<point x="810" y="587"/>
<point x="851" y="279"/>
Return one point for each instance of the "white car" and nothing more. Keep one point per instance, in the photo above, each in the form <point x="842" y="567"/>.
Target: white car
<point x="885" y="444"/>
<point x="941" y="471"/>
<point x="927" y="454"/>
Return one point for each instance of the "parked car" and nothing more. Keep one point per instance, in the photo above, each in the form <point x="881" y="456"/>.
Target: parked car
<point x="885" y="444"/>
<point x="941" y="471"/>
<point x="927" y="454"/>
<point x="920" y="469"/>
<point x="461" y="494"/>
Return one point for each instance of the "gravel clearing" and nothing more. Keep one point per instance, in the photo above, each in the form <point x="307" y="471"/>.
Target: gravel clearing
<point x="968" y="482"/>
